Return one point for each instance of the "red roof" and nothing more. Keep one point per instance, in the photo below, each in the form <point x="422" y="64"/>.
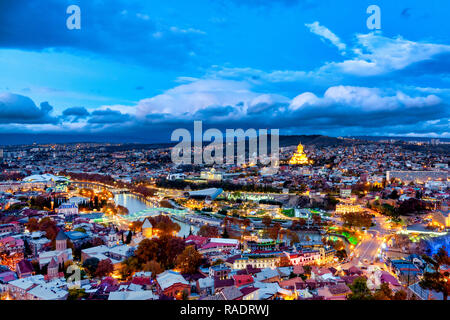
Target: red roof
<point x="198" y="240"/>
<point x="242" y="280"/>
<point x="141" y="281"/>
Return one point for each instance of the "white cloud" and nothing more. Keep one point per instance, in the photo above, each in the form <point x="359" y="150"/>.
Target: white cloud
<point x="197" y="95"/>
<point x="376" y="55"/>
<point x="368" y="99"/>
<point x="325" y="33"/>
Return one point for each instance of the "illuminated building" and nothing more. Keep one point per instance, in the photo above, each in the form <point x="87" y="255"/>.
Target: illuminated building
<point x="343" y="208"/>
<point x="211" y="175"/>
<point x="299" y="156"/>
<point x="416" y="176"/>
<point x="147" y="229"/>
<point x="441" y="218"/>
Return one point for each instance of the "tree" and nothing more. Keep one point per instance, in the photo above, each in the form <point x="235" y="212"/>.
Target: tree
<point x="189" y="260"/>
<point x="91" y="265"/>
<point x="104" y="268"/>
<point x="301" y="222"/>
<point x="129" y="237"/>
<point x="48" y="225"/>
<point x="32" y="224"/>
<point x="184" y="295"/>
<point x="437" y="280"/>
<point x="164" y="224"/>
<point x="400" y="295"/>
<point x="341" y="254"/>
<point x="129" y="266"/>
<point x="208" y="231"/>
<point x="284" y="261"/>
<point x="293" y="237"/>
<point x="360" y="291"/>
<point x="317" y="219"/>
<point x="394" y="195"/>
<point x="357" y="219"/>
<point x="77" y="294"/>
<point x="267" y="221"/>
<point x="154" y="267"/>
<point x="383" y="293"/>
<point x="225" y="234"/>
<point x="274" y="231"/>
<point x="147" y="250"/>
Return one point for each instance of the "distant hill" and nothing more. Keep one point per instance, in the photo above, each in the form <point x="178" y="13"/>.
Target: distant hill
<point x="317" y="140"/>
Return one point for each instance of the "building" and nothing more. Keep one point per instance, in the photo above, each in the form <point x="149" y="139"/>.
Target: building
<point x="345" y="192"/>
<point x="211" y="175"/>
<point x="220" y="271"/>
<point x="68" y="209"/>
<point x="116" y="254"/>
<point x="61" y="254"/>
<point x="147" y="229"/>
<point x="343" y="208"/>
<point x="172" y="284"/>
<point x="256" y="261"/>
<point x="416" y="176"/>
<point x="24" y="269"/>
<point x="303" y="258"/>
<point x="442" y="218"/>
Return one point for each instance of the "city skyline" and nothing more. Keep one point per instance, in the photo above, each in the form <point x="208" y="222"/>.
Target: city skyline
<point x="139" y="71"/>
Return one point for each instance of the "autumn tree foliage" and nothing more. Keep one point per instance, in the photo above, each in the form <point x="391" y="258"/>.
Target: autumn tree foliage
<point x="208" y="231"/>
<point x="189" y="260"/>
<point x="104" y="268"/>
<point x="154" y="267"/>
<point x="164" y="224"/>
<point x="163" y="250"/>
<point x="267" y="221"/>
<point x="357" y="219"/>
<point x="274" y="231"/>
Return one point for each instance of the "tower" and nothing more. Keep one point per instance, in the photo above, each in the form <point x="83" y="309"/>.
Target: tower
<point x="147" y="229"/>
<point x="52" y="269"/>
<point x="61" y="241"/>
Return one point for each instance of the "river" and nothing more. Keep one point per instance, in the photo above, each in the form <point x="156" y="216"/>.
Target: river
<point x="134" y="204"/>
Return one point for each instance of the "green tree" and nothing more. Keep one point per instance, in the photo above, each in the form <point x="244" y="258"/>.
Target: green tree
<point x="360" y="291"/>
<point x="225" y="234"/>
<point x="437" y="280"/>
<point x="76" y="294"/>
<point x="90" y="265"/>
<point x="383" y="293"/>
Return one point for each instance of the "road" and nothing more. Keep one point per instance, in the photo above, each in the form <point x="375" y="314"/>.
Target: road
<point x="368" y="249"/>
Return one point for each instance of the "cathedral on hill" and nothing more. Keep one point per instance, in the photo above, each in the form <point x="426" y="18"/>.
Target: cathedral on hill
<point x="299" y="156"/>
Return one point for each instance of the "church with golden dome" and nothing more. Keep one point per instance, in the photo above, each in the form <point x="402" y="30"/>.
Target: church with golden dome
<point x="299" y="157"/>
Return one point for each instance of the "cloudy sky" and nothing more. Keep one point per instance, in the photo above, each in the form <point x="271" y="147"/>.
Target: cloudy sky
<point x="144" y="68"/>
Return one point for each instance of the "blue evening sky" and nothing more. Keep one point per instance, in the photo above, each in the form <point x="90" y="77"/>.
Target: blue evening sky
<point x="144" y="68"/>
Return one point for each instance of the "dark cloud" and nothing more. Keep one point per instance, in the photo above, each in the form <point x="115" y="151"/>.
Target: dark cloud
<point x="108" y="116"/>
<point x="76" y="111"/>
<point x="15" y="108"/>
<point x="74" y="114"/>
<point x="114" y="28"/>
